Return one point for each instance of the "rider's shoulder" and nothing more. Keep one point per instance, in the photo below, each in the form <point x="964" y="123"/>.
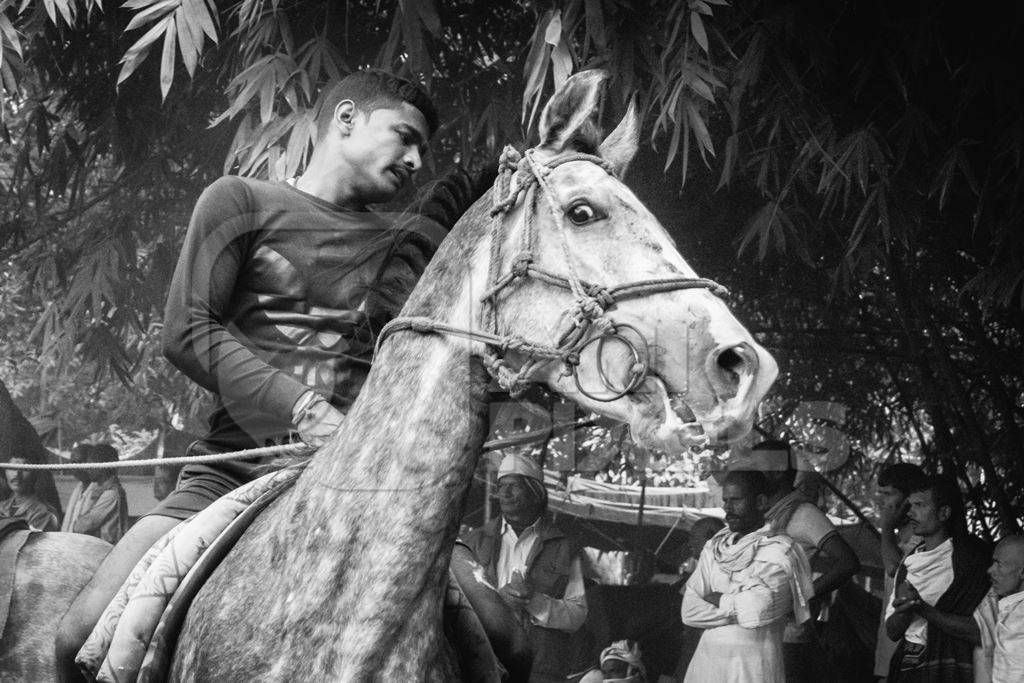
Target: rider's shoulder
<point x="236" y="183"/>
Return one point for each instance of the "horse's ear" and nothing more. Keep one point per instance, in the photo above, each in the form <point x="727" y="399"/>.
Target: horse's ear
<point x="570" y="118"/>
<point x="619" y="148"/>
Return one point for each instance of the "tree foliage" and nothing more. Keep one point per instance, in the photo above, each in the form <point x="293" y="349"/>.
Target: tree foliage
<point x="851" y="170"/>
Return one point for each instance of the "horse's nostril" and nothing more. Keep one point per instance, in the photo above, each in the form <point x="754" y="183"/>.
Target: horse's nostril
<point x="732" y="360"/>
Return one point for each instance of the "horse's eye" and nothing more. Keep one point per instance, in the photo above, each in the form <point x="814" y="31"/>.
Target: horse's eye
<point x="581" y="214"/>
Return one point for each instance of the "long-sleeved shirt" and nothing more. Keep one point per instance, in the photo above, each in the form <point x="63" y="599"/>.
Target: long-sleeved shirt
<point x="564" y="614"/>
<point x="277" y="292"/>
<point x="743" y="637"/>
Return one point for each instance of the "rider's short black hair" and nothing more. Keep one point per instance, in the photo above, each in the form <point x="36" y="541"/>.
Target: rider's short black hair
<point x="372" y="89"/>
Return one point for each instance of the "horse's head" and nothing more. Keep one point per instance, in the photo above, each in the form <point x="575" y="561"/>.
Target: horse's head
<point x="585" y="269"/>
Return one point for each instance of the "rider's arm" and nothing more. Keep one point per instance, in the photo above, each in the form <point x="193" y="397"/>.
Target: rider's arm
<point x="195" y="337"/>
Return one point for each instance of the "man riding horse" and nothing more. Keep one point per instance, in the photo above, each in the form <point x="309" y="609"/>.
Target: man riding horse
<point x="558" y="276"/>
<point x="275" y="301"/>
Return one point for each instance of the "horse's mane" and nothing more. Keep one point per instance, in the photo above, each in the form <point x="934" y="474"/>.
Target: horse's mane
<point x="445" y="199"/>
<point x="425" y="221"/>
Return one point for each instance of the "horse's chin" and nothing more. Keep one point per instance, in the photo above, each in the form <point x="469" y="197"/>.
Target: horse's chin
<point x="661" y="419"/>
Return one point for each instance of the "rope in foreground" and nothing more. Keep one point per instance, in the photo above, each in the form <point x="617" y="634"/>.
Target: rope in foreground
<point x="284" y="450"/>
<point x="263" y="452"/>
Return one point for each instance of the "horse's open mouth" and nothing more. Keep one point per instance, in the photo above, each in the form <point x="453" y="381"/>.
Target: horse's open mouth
<point x="663" y="420"/>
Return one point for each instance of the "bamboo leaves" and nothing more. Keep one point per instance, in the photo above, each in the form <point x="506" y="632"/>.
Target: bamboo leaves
<point x="183" y="24"/>
<point x="687" y="82"/>
<point x="414" y="25"/>
<point x="11" y="54"/>
<point x="548" y="46"/>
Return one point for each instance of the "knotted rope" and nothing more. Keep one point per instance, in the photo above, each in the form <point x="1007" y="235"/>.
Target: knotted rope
<point x="522" y="176"/>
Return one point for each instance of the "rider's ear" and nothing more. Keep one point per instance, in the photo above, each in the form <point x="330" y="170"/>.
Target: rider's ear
<point x="344" y="112"/>
<point x="620" y="146"/>
<point x="570" y="118"/>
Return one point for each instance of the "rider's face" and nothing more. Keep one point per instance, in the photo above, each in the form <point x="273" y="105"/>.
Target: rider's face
<point x="382" y="149"/>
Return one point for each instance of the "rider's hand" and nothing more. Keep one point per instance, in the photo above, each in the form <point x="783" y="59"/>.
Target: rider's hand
<point x="315" y="419"/>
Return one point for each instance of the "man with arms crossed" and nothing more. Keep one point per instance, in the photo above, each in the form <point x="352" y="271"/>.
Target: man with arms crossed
<point x="748" y="582"/>
<point x="276" y="301"/>
<point x="790" y="512"/>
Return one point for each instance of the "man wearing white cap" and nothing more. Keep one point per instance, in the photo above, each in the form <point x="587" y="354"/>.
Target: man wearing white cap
<point x="535" y="566"/>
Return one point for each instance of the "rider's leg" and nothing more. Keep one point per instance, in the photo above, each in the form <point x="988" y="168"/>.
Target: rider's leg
<point x="199" y="486"/>
<point x="85" y="611"/>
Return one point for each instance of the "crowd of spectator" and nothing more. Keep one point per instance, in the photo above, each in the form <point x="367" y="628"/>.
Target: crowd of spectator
<point x="97" y="505"/>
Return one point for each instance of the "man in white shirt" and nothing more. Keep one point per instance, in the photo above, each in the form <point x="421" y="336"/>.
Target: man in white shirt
<point x="1002" y="629"/>
<point x="535" y="566"/>
<point x="747" y="583"/>
<point x="791" y="512"/>
<point x="947" y="573"/>
<point x="999" y="618"/>
<point x="997" y="625"/>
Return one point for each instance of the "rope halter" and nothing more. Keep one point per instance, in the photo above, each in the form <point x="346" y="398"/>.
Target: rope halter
<point x="521" y="177"/>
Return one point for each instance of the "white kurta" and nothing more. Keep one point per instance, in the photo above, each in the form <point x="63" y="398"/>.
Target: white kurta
<point x="742" y="642"/>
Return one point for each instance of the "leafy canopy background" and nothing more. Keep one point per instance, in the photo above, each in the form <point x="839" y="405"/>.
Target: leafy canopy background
<point x="852" y="171"/>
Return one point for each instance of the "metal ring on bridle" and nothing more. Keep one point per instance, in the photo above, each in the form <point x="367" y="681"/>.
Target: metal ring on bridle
<point x="637" y="371"/>
<point x="523" y="177"/>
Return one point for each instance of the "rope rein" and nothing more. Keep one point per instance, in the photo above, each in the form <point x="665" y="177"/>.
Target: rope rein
<point x="288" y="449"/>
<point x="521" y="177"/>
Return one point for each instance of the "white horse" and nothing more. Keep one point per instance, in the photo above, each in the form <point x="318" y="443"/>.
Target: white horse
<point x="571" y="283"/>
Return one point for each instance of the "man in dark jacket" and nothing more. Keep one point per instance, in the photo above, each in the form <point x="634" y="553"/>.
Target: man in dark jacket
<point x="535" y="567"/>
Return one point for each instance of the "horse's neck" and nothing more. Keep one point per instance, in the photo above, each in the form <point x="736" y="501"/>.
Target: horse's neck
<point x="422" y="403"/>
<point x="372" y="519"/>
<point x="391" y="484"/>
